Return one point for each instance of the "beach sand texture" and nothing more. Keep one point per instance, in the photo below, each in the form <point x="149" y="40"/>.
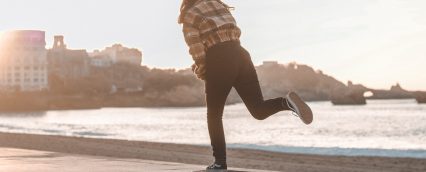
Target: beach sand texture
<point x="200" y="156"/>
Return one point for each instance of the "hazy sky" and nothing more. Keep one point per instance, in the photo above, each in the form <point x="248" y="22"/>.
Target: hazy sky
<point x="373" y="42"/>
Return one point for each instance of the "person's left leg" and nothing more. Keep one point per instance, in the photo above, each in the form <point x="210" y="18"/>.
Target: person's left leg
<point x="259" y="108"/>
<point x="248" y="88"/>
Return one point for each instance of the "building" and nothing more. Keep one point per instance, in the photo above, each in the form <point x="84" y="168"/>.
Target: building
<point x="270" y="63"/>
<point x="116" y="54"/>
<point x="66" y="63"/>
<point x="23" y="61"/>
<point x="100" y="61"/>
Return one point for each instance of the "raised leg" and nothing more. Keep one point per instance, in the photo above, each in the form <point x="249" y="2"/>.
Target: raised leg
<point x="247" y="86"/>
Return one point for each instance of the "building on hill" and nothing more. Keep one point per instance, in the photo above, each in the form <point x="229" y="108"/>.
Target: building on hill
<point x="23" y="61"/>
<point x="116" y="54"/>
<point x="66" y="63"/>
<point x="100" y="61"/>
<point x="270" y="63"/>
<point x="397" y="88"/>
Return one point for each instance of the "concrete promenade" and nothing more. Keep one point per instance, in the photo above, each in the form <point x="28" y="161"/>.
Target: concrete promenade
<point x="21" y="160"/>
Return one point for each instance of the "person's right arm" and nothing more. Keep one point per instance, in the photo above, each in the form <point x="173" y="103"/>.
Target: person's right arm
<point x="193" y="39"/>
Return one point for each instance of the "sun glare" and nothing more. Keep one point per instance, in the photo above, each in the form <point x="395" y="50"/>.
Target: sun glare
<point x="1" y="39"/>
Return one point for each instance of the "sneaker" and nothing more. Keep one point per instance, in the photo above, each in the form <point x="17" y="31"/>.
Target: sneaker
<point x="298" y="106"/>
<point x="217" y="168"/>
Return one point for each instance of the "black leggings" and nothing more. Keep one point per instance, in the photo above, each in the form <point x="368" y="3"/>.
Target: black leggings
<point x="229" y="65"/>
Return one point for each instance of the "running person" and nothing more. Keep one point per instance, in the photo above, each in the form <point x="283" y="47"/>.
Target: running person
<point x="212" y="35"/>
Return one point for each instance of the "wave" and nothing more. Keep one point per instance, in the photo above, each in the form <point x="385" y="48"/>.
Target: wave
<point x="336" y="151"/>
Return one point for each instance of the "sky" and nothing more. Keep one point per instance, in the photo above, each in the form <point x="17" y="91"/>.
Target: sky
<point x="373" y="42"/>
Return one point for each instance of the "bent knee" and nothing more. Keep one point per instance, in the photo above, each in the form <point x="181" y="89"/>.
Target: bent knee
<point x="259" y="115"/>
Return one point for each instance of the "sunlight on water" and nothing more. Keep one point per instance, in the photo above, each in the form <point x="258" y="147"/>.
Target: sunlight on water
<point x="381" y="125"/>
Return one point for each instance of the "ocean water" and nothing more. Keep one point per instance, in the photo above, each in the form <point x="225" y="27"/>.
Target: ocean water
<point x="391" y="128"/>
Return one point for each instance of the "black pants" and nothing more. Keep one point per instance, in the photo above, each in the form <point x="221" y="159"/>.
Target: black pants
<point x="229" y="65"/>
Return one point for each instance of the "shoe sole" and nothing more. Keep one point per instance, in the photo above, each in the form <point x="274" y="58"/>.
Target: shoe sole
<point x="304" y="111"/>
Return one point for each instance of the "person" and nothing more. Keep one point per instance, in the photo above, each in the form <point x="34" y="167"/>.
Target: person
<point x="221" y="62"/>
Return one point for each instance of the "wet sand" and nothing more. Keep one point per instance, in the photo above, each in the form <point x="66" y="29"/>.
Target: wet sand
<point x="200" y="156"/>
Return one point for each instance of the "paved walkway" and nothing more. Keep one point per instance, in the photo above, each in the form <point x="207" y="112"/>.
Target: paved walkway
<point x="20" y="160"/>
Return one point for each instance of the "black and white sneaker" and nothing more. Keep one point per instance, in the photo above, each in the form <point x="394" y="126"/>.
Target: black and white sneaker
<point x="298" y="106"/>
<point x="217" y="168"/>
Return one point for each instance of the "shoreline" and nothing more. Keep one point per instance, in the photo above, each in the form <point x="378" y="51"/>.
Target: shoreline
<point x="337" y="151"/>
<point x="201" y="155"/>
<point x="27" y="109"/>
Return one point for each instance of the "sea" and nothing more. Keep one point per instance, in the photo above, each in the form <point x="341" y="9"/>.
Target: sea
<point x="385" y="128"/>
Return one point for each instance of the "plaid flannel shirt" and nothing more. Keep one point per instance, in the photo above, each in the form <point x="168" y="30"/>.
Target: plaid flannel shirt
<point x="205" y="24"/>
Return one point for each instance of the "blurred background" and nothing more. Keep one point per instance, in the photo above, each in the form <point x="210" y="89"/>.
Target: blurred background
<point x="377" y="43"/>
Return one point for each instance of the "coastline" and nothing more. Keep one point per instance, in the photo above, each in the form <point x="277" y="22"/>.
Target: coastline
<point x="39" y="103"/>
<point x="201" y="155"/>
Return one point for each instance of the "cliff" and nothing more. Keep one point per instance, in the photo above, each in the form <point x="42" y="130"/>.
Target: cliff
<point x="278" y="80"/>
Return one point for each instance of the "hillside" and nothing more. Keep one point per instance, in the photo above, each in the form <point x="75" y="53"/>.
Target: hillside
<point x="124" y="85"/>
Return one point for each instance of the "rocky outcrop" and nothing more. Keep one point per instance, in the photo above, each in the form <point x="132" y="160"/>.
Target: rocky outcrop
<point x="312" y="85"/>
<point x="349" y="95"/>
<point x="350" y="98"/>
<point x="22" y="102"/>
<point x="420" y="96"/>
<point x="396" y="92"/>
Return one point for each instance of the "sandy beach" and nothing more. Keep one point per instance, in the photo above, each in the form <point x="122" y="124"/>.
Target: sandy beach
<point x="200" y="155"/>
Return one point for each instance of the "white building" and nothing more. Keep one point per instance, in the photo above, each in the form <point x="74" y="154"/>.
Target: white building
<point x="23" y="62"/>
